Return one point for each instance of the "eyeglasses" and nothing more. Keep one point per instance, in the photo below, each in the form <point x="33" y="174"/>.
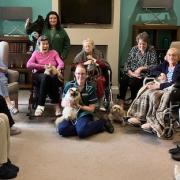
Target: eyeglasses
<point x="80" y="74"/>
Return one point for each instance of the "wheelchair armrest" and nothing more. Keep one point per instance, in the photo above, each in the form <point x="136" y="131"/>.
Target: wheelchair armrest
<point x="148" y="79"/>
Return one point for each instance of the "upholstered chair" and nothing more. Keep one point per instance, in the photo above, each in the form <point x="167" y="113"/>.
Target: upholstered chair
<point x="12" y="74"/>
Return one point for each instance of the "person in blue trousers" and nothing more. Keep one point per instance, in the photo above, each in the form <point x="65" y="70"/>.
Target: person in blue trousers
<point x="85" y="125"/>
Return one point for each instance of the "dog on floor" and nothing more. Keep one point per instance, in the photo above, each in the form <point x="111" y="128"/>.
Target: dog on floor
<point x="52" y="70"/>
<point x="70" y="113"/>
<point x="117" y="114"/>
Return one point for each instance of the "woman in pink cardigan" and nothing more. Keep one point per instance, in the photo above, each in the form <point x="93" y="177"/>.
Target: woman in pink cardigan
<point x="46" y="84"/>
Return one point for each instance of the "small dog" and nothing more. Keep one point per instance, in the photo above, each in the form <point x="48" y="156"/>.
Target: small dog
<point x="116" y="114"/>
<point x="51" y="70"/>
<point x="70" y="113"/>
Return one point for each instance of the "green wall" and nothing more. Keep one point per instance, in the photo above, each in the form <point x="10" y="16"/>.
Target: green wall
<point x="131" y="13"/>
<point x="38" y="7"/>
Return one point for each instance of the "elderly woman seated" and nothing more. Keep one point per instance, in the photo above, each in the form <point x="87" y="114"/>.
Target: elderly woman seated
<point x="46" y="83"/>
<point x="148" y="108"/>
<point x="90" y="56"/>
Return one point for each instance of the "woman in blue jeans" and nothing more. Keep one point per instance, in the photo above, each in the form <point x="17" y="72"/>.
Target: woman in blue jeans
<point x="85" y="124"/>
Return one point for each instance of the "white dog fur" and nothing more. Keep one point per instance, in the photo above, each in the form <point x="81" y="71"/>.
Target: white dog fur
<point x="70" y="113"/>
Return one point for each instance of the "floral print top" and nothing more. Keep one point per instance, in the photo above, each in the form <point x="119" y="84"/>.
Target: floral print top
<point x="136" y="59"/>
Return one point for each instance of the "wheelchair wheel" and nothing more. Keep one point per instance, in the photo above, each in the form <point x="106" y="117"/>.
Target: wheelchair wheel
<point x="168" y="133"/>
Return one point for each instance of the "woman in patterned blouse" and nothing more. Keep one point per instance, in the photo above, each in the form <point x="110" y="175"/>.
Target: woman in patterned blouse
<point x="139" y="59"/>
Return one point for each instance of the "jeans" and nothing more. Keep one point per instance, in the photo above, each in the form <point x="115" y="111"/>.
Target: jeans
<point x="83" y="127"/>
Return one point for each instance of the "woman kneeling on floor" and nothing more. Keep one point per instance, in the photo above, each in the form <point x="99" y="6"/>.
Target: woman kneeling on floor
<point x="149" y="106"/>
<point x="84" y="125"/>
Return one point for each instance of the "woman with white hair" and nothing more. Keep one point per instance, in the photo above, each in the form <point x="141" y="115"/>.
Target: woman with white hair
<point x="91" y="55"/>
<point x="149" y="106"/>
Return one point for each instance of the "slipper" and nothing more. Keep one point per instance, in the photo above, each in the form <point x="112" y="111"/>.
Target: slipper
<point x="39" y="110"/>
<point x="147" y="128"/>
<point x="134" y="121"/>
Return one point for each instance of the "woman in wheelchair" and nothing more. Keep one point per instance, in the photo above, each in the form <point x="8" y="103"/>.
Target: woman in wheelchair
<point x="97" y="68"/>
<point x="140" y="58"/>
<point x="41" y="63"/>
<point x="149" y="107"/>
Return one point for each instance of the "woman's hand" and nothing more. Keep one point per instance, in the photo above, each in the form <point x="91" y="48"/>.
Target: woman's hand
<point x="133" y="74"/>
<point x="88" y="62"/>
<point x="138" y="71"/>
<point x="89" y="57"/>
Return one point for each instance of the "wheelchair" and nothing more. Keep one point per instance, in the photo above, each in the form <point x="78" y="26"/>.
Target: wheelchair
<point x="33" y="99"/>
<point x="172" y="113"/>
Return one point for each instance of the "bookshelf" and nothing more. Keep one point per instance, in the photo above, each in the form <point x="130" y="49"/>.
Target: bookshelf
<point x="161" y="36"/>
<point x="18" y="56"/>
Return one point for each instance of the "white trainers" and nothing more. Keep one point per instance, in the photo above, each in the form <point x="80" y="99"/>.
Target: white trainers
<point x="101" y="105"/>
<point x="39" y="110"/>
<point x="13" y="110"/>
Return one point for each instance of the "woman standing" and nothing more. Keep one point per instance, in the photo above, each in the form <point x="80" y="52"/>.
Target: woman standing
<point x="58" y="38"/>
<point x="139" y="59"/>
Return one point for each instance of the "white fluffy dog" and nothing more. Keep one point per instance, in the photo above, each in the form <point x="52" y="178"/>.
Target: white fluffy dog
<point x="70" y="113"/>
<point x="116" y="114"/>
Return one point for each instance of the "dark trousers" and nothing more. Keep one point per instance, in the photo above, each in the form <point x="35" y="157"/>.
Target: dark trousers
<point x="4" y="109"/>
<point x="134" y="83"/>
<point x="47" y="85"/>
<point x="84" y="127"/>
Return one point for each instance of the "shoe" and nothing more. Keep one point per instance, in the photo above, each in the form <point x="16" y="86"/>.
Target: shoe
<point x="101" y="105"/>
<point x="7" y="173"/>
<point x="176" y="156"/>
<point x="14" y="131"/>
<point x="39" y="111"/>
<point x="108" y="126"/>
<point x="13" y="110"/>
<point x="134" y="121"/>
<point x="175" y="150"/>
<point x="147" y="128"/>
<point x="58" y="113"/>
<point x="12" y="166"/>
<point x="102" y="108"/>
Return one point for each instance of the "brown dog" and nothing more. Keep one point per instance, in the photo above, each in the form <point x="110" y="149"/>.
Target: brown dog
<point x="51" y="70"/>
<point x="116" y="114"/>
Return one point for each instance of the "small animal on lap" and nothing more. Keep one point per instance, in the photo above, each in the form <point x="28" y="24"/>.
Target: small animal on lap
<point x="52" y="70"/>
<point x="116" y="114"/>
<point x="69" y="113"/>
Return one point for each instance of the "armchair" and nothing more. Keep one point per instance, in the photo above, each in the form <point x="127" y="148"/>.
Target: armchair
<point x="12" y="74"/>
